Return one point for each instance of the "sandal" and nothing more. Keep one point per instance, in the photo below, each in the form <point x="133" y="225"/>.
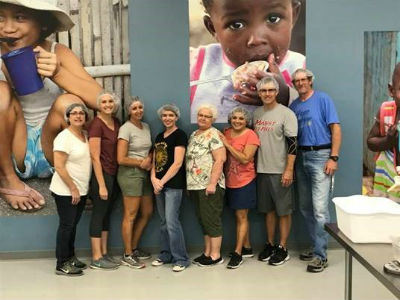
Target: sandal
<point x="27" y="192"/>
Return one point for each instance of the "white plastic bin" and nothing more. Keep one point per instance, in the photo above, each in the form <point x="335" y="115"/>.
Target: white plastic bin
<point x="368" y="219"/>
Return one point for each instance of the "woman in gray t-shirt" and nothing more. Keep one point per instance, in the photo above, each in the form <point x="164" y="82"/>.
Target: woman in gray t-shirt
<point x="135" y="161"/>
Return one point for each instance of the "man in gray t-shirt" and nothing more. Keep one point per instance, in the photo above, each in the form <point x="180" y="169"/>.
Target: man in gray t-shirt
<point x="276" y="126"/>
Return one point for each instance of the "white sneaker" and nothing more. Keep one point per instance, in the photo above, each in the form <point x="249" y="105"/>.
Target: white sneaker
<point x="156" y="263"/>
<point x="178" y="268"/>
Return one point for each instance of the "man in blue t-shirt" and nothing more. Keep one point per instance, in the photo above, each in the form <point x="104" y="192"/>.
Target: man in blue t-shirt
<point x="319" y="137"/>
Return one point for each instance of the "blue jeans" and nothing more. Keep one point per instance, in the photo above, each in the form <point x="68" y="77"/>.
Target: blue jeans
<point x="173" y="249"/>
<point x="314" y="191"/>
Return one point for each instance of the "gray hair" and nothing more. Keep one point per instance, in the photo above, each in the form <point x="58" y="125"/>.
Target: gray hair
<point x="246" y="114"/>
<point x="268" y="79"/>
<point x="71" y="107"/>
<point x="133" y="99"/>
<point x="116" y="99"/>
<point x="309" y="74"/>
<point x="169" y="107"/>
<point x="210" y="107"/>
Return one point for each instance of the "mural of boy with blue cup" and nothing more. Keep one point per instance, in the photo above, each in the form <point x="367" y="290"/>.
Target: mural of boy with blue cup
<point x="246" y="31"/>
<point x="21" y="66"/>
<point x="30" y="119"/>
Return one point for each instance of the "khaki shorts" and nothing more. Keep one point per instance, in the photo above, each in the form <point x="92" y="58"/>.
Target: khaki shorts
<point x="134" y="182"/>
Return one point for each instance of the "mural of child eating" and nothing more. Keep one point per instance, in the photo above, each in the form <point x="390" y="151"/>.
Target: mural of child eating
<point x="245" y="31"/>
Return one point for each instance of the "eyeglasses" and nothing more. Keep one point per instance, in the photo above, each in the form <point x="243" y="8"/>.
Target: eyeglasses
<point x="266" y="91"/>
<point x="204" y="116"/>
<point x="300" y="80"/>
<point x="76" y="113"/>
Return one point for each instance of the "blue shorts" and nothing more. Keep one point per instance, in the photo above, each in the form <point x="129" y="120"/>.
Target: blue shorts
<point x="244" y="197"/>
<point x="36" y="164"/>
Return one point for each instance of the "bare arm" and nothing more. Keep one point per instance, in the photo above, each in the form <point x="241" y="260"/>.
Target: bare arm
<point x="60" y="159"/>
<point x="179" y="155"/>
<point x="336" y="132"/>
<point x="95" y="149"/>
<point x="147" y="162"/>
<point x="376" y="142"/>
<point x="69" y="74"/>
<point x="219" y="157"/>
<point x="243" y="157"/>
<point x="287" y="176"/>
<point x="122" y="155"/>
<point x="157" y="186"/>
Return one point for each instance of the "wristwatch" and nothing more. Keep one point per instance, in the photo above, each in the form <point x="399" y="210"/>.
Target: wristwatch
<point x="334" y="157"/>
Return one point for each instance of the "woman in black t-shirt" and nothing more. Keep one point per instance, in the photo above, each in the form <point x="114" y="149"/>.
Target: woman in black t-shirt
<point x="168" y="179"/>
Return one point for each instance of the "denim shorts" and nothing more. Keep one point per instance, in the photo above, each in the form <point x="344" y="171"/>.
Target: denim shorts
<point x="36" y="164"/>
<point x="134" y="182"/>
<point x="244" y="197"/>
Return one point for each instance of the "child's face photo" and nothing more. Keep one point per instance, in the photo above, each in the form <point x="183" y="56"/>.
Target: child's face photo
<point x="394" y="88"/>
<point x="251" y="30"/>
<point x="20" y="23"/>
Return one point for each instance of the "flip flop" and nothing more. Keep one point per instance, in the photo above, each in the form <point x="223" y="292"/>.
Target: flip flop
<point x="392" y="267"/>
<point x="27" y="192"/>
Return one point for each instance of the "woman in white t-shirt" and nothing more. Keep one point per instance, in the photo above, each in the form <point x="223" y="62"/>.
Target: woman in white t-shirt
<point x="69" y="186"/>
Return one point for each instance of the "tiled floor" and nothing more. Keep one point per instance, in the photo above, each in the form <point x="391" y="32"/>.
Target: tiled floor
<point x="35" y="279"/>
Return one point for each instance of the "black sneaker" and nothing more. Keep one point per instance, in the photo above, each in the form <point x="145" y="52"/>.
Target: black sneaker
<point x="317" y="265"/>
<point x="247" y="252"/>
<point x="77" y="263"/>
<point x="307" y="255"/>
<point x="208" y="261"/>
<point x="68" y="269"/>
<point x="140" y="254"/>
<point x="235" y="262"/>
<point x="266" y="254"/>
<point x="279" y="257"/>
<point x="200" y="258"/>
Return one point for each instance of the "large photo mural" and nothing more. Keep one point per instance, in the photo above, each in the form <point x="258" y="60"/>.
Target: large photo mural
<point x="234" y="43"/>
<point x="381" y="120"/>
<point x="56" y="62"/>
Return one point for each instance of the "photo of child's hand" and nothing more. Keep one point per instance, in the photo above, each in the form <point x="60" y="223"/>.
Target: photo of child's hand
<point x="47" y="62"/>
<point x="391" y="135"/>
<point x="245" y="73"/>
<point x="245" y="83"/>
<point x="244" y="80"/>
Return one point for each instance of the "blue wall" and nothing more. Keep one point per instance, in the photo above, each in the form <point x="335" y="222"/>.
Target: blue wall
<point x="159" y="58"/>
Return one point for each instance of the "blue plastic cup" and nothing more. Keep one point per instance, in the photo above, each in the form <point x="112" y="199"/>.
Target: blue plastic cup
<point x="21" y="65"/>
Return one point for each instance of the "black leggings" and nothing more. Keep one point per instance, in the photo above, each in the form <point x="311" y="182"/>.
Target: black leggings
<point x="102" y="208"/>
<point x="69" y="217"/>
